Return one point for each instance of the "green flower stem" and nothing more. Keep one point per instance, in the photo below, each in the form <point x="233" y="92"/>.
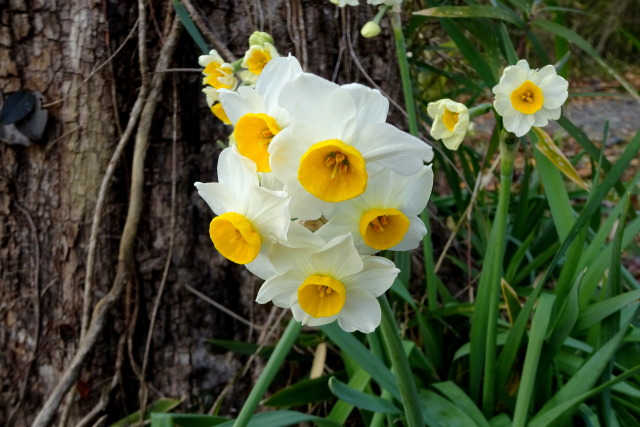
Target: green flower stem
<point x="400" y="363"/>
<point x="266" y="377"/>
<point x="405" y="77"/>
<point x="485" y="316"/>
<point x="479" y="110"/>
<point x="383" y="9"/>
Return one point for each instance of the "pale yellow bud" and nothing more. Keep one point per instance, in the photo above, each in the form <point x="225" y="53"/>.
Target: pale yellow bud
<point x="370" y="29"/>
<point x="259" y="38"/>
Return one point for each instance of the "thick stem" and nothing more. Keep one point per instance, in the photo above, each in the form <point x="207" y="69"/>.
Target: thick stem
<point x="270" y="370"/>
<point x="400" y="363"/>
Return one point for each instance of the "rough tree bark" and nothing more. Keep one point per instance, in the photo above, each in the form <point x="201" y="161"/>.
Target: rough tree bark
<point x="48" y="194"/>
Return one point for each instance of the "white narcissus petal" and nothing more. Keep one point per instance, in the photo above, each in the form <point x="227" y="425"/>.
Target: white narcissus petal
<point x="277" y="73"/>
<point x="304" y="205"/>
<point x="286" y="258"/>
<point x="261" y="266"/>
<point x="345" y="223"/>
<point x="236" y="172"/>
<point x="371" y="105"/>
<point x="312" y="98"/>
<point x="217" y="196"/>
<point x="417" y="191"/>
<point x="269" y="211"/>
<point x="361" y="312"/>
<point x="392" y="148"/>
<point x="238" y="103"/>
<point x="281" y="289"/>
<point x="376" y="277"/>
<point x="302" y="317"/>
<point x="339" y="257"/>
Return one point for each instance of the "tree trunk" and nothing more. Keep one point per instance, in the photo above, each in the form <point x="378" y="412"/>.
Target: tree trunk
<point x="83" y="57"/>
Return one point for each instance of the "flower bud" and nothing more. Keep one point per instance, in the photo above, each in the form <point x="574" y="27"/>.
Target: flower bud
<point x="370" y="29"/>
<point x="260" y="38"/>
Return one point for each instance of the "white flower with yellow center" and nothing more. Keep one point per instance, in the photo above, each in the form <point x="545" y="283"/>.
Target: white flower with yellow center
<point x="213" y="101"/>
<point x="255" y="113"/>
<point x="249" y="217"/>
<point x="526" y="97"/>
<point x="386" y="215"/>
<point x="258" y="56"/>
<point x="330" y="283"/>
<point x="337" y="139"/>
<point x="217" y="73"/>
<point x="450" y="122"/>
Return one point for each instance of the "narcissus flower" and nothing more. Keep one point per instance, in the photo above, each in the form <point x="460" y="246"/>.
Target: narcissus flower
<point x="258" y="56"/>
<point x="526" y="97"/>
<point x="386" y="215"/>
<point x="330" y="283"/>
<point x="249" y="217"/>
<point x="337" y="139"/>
<point x="450" y="122"/>
<point x="217" y="72"/>
<point x="255" y="113"/>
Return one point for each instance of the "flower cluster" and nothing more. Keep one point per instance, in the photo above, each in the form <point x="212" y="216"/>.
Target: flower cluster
<point x="219" y="74"/>
<point x="308" y="154"/>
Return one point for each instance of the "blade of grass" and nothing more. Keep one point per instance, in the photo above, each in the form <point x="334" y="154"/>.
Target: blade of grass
<point x="360" y="399"/>
<point x="539" y="327"/>
<point x="462" y="401"/>
<point x="190" y="26"/>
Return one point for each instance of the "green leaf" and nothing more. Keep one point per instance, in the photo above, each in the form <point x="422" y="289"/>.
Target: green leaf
<point x="546" y="418"/>
<point x="438" y="411"/>
<point x="301" y="393"/>
<point x="361" y="400"/>
<point x="474" y="11"/>
<point x="190" y="26"/>
<point x="598" y="311"/>
<point x="357" y="351"/>
<point x="462" y="401"/>
<point x="160" y="405"/>
<point x="574" y="38"/>
<point x="341" y="410"/>
<point x="586" y="377"/>
<point x="185" y="420"/>
<point x="283" y="419"/>
<point x="539" y="327"/>
<point x="242" y="347"/>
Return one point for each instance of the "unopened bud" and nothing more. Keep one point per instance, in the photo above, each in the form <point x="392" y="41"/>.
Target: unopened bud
<point x="260" y="38"/>
<point x="370" y="30"/>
